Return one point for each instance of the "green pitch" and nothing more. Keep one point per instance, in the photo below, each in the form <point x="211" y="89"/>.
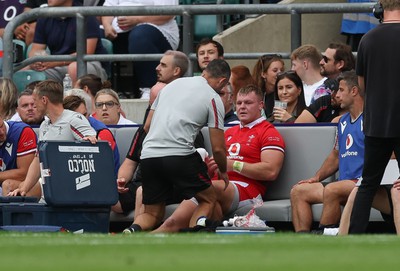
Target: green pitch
<point x="280" y="251"/>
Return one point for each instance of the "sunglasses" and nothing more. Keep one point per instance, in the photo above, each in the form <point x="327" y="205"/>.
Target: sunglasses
<point x="326" y="59"/>
<point x="285" y="73"/>
<point x="109" y="104"/>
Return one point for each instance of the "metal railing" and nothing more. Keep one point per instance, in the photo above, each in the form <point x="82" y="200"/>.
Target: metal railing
<point x="186" y="11"/>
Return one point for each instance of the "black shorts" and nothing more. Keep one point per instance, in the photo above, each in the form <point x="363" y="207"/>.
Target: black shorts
<point x="128" y="199"/>
<point x="164" y="176"/>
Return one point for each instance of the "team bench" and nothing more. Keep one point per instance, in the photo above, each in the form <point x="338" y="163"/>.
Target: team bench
<point x="307" y="146"/>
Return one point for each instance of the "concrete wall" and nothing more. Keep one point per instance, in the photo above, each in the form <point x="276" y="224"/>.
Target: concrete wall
<point x="134" y="109"/>
<point x="271" y="33"/>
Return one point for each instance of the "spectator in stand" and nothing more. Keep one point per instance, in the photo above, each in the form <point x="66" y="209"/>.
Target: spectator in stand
<point x="59" y="36"/>
<point x="8" y="10"/>
<point x="142" y="35"/>
<point x="324" y="109"/>
<point x="227" y="99"/>
<point x="108" y="108"/>
<point x="337" y="58"/>
<point x="288" y="89"/>
<point x="251" y="163"/>
<point x="240" y="78"/>
<point x="347" y="156"/>
<point x="26" y="31"/>
<point x="305" y="62"/>
<point x="26" y="110"/>
<point x="17" y="150"/>
<point x="91" y="84"/>
<point x="8" y="98"/>
<point x="264" y="74"/>
<point x="208" y="50"/>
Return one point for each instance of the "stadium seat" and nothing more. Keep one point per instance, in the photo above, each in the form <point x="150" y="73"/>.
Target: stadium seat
<point x="108" y="45"/>
<point x="23" y="78"/>
<point x="207" y="25"/>
<point x="19" y="50"/>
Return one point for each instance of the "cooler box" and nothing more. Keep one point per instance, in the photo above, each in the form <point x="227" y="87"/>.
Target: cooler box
<point x="4" y="201"/>
<point x="73" y="219"/>
<point x="78" y="174"/>
<point x="18" y="199"/>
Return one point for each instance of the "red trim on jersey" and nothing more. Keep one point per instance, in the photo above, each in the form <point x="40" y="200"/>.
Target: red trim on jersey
<point x="320" y="110"/>
<point x="214" y="105"/>
<point x="1" y="53"/>
<point x="133" y="147"/>
<point x="76" y="131"/>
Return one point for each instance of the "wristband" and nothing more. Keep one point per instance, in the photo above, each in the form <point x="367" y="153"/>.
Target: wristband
<point x="237" y="166"/>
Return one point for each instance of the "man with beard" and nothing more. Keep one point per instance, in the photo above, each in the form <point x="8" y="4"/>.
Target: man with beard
<point x="336" y="59"/>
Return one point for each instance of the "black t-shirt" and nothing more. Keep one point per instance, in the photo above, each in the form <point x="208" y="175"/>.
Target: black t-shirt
<point x="36" y="3"/>
<point x="43" y="3"/>
<point x="378" y="61"/>
<point x="322" y="109"/>
<point x="269" y="100"/>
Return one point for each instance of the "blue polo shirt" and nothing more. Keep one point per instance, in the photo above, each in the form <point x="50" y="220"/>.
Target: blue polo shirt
<point x="59" y="34"/>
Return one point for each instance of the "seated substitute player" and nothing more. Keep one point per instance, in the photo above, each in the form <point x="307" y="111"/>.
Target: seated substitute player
<point x="347" y="156"/>
<point x="17" y="149"/>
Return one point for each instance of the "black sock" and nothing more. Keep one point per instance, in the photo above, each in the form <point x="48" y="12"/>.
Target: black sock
<point x="136" y="227"/>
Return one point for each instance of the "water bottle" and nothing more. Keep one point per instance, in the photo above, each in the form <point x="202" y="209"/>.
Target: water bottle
<point x="67" y="83"/>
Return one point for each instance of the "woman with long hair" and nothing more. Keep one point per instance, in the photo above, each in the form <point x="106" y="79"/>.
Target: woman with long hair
<point x="288" y="90"/>
<point x="264" y="74"/>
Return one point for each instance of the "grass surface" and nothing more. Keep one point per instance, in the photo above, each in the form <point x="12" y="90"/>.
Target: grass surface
<point x="280" y="251"/>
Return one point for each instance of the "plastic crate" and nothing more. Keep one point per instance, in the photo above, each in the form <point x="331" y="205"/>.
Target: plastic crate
<point x="73" y="219"/>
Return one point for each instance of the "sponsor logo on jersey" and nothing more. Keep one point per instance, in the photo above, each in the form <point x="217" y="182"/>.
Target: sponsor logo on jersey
<point x="9" y="148"/>
<point x="234" y="150"/>
<point x="349" y="143"/>
<point x="343" y="126"/>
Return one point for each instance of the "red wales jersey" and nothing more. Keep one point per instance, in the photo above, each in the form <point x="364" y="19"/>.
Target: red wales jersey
<point x="245" y="144"/>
